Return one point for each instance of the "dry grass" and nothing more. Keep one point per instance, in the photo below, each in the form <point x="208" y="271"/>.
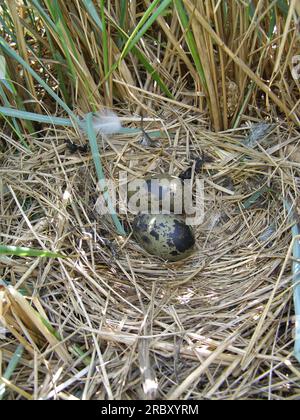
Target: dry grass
<point x="108" y="321"/>
<point x="131" y="326"/>
<point x="223" y="57"/>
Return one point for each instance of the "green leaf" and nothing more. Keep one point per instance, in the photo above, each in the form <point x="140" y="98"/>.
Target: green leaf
<point x="100" y="173"/>
<point x="27" y="252"/>
<point x="190" y="40"/>
<point x="145" y="61"/>
<point x="13" y="364"/>
<point x="296" y="280"/>
<point x="31" y="116"/>
<point x="105" y="46"/>
<point x="123" y="13"/>
<point x="49" y="327"/>
<point x="42" y="13"/>
<point x="254" y="197"/>
<point x="61" y="29"/>
<point x="296" y="275"/>
<point x="89" y="5"/>
<point x="144" y="24"/>
<point x="272" y="23"/>
<point x="65" y="122"/>
<point x="14" y="124"/>
<point x="140" y="56"/>
<point x="5" y="47"/>
<point x="283" y="7"/>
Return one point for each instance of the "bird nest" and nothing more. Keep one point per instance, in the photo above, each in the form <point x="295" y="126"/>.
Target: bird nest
<point x="110" y="321"/>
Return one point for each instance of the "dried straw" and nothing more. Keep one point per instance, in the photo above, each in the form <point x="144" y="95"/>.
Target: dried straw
<point x="110" y="321"/>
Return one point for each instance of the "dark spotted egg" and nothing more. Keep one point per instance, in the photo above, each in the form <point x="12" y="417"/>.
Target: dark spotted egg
<point x="160" y="192"/>
<point x="164" y="235"/>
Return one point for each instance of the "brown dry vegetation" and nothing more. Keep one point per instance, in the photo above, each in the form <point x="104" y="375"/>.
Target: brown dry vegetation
<point x="108" y="321"/>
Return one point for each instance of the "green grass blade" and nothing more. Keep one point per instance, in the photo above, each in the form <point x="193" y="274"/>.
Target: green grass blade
<point x="190" y="40"/>
<point x="8" y="23"/>
<point x="123" y="7"/>
<point x="61" y="77"/>
<point x="140" y="56"/>
<point x="6" y="28"/>
<point x="296" y="277"/>
<point x="89" y="5"/>
<point x="51" y="329"/>
<point x="17" y="57"/>
<point x="30" y="13"/>
<point x="27" y="252"/>
<point x="283" y="7"/>
<point x="64" y="122"/>
<point x="104" y="38"/>
<point x="272" y="23"/>
<point x="154" y="74"/>
<point x="251" y="15"/>
<point x="31" y="116"/>
<point x="105" y="46"/>
<point x="100" y="173"/>
<point x="255" y="197"/>
<point x="14" y="124"/>
<point x="8" y="85"/>
<point x="63" y="33"/>
<point x="145" y="61"/>
<point x="296" y="280"/>
<point x="236" y="122"/>
<point x="122" y="20"/>
<point x="42" y="13"/>
<point x="13" y="364"/>
<point x="144" y="24"/>
<point x="87" y="360"/>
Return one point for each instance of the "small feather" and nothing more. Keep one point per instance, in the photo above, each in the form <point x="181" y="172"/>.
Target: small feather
<point x="258" y="133"/>
<point x="106" y="122"/>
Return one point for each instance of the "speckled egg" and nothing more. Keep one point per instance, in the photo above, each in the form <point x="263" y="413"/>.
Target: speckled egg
<point x="164" y="235"/>
<point x="161" y="191"/>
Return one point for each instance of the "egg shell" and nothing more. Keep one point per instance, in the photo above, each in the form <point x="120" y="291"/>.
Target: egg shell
<point x="164" y="235"/>
<point x="162" y="192"/>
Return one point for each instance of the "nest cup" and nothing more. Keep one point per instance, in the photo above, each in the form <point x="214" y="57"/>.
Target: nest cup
<point x="201" y="333"/>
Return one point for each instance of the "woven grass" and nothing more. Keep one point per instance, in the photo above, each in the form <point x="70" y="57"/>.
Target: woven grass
<point x="218" y="325"/>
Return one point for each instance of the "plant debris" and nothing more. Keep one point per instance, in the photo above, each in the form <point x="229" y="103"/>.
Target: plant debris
<point x="200" y="315"/>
